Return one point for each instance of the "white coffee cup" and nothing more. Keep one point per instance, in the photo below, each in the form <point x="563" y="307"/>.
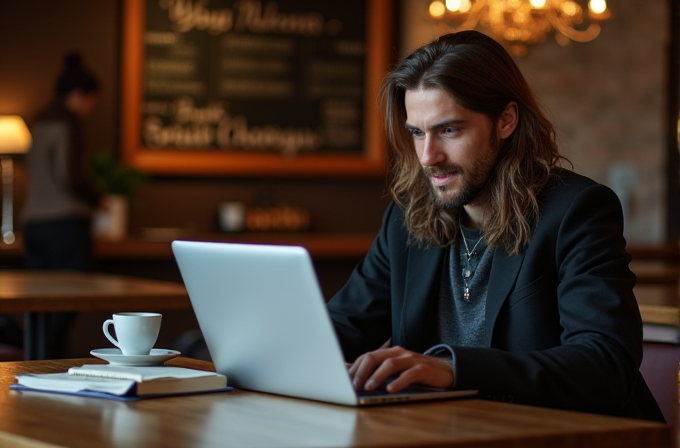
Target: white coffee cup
<point x="136" y="332"/>
<point x="232" y="216"/>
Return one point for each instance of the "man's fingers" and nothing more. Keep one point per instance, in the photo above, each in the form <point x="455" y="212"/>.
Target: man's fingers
<point x="388" y="368"/>
<point x="424" y="370"/>
<point x="407" y="377"/>
<point x="366" y="365"/>
<point x="363" y="368"/>
<point x="385" y="364"/>
<point x="372" y="369"/>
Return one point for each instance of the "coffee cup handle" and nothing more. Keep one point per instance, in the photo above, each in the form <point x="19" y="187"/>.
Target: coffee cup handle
<point x="105" y="328"/>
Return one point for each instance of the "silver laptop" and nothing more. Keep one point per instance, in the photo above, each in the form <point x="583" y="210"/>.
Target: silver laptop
<point x="266" y="326"/>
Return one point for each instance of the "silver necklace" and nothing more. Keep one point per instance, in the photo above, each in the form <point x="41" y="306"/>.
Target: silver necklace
<point x="467" y="272"/>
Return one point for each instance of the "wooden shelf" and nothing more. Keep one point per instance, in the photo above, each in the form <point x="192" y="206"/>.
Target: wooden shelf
<point x="321" y="246"/>
<point x="669" y="252"/>
<point x="656" y="272"/>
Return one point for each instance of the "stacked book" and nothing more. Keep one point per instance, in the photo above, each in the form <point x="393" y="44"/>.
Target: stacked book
<point x="124" y="383"/>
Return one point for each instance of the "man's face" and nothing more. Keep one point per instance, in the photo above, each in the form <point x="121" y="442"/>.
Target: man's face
<point x="457" y="147"/>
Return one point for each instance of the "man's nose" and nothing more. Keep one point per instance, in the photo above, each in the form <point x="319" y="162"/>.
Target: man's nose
<point x="431" y="153"/>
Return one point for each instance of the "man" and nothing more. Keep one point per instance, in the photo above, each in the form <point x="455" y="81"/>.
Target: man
<point x="494" y="269"/>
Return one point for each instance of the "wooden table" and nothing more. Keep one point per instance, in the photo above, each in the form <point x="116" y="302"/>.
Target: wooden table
<point x="248" y="419"/>
<point x="37" y="292"/>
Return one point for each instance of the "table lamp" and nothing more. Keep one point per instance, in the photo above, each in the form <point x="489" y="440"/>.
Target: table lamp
<point x="14" y="139"/>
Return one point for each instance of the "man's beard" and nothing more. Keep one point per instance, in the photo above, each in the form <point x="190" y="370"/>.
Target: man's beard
<point x="473" y="182"/>
<point x="467" y="192"/>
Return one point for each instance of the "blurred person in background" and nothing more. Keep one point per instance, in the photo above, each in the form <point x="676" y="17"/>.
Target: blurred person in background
<point x="61" y="196"/>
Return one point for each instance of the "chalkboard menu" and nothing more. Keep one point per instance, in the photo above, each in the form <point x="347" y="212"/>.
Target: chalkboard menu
<point x="250" y="87"/>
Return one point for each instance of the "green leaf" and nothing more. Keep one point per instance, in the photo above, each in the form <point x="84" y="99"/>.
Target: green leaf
<point x="113" y="177"/>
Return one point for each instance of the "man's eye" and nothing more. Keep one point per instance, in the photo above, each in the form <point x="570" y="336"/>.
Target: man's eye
<point x="449" y="131"/>
<point x="416" y="132"/>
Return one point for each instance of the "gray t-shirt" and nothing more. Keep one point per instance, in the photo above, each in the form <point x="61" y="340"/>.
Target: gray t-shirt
<point x="461" y="320"/>
<point x="49" y="194"/>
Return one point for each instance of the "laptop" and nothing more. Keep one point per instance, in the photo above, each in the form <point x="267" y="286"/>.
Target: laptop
<point x="266" y="326"/>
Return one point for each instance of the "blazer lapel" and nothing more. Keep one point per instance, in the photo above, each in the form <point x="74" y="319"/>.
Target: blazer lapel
<point x="504" y="271"/>
<point x="420" y="302"/>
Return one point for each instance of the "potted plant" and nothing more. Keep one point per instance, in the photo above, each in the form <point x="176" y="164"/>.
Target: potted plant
<point x="118" y="184"/>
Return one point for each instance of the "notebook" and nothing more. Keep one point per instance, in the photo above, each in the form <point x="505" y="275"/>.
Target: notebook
<point x="266" y="326"/>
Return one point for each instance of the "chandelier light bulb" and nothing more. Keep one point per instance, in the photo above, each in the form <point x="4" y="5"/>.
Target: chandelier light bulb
<point x="453" y="5"/>
<point x="537" y="4"/>
<point x="460" y="6"/>
<point x="597" y="6"/>
<point x="571" y="9"/>
<point x="437" y="9"/>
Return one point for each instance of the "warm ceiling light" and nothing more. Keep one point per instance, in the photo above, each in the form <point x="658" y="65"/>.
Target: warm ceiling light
<point x="458" y="5"/>
<point x="520" y="24"/>
<point x="597" y="6"/>
<point x="437" y="9"/>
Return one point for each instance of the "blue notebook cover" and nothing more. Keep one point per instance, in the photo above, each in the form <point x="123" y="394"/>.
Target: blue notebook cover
<point x="129" y="396"/>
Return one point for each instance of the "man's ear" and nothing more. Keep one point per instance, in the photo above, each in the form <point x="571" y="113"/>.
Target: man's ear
<point x="507" y="122"/>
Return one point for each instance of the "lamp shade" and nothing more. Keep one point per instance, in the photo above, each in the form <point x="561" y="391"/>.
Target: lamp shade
<point x="14" y="135"/>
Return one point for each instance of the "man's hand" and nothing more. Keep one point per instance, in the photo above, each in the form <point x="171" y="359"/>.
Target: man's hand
<point x="372" y="369"/>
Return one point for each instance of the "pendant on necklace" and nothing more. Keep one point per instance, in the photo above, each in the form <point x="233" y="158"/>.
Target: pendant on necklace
<point x="466" y="294"/>
<point x="467" y="273"/>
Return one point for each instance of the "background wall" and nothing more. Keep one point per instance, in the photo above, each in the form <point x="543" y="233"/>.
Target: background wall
<point x="35" y="34"/>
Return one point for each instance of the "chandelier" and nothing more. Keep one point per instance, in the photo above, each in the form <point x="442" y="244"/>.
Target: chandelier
<point x="519" y="24"/>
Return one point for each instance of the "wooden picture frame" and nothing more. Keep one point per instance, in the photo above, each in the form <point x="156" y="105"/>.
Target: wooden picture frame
<point x="369" y="160"/>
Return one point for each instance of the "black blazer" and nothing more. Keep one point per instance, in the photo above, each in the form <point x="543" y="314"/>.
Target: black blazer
<point x="563" y="328"/>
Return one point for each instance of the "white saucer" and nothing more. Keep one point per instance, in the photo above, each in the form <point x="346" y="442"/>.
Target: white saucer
<point x="157" y="357"/>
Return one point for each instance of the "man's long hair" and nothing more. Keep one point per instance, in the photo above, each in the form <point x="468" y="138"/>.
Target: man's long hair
<point x="482" y="77"/>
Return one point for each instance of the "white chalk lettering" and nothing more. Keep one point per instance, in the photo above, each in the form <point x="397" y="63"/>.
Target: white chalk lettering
<point x="234" y="132"/>
<point x="155" y="107"/>
<point x="248" y="15"/>
<point x="251" y="17"/>
<point x="161" y="38"/>
<point x="185" y="112"/>
<point x="190" y="136"/>
<point x="165" y="67"/>
<point x="173" y="86"/>
<point x="187" y="15"/>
